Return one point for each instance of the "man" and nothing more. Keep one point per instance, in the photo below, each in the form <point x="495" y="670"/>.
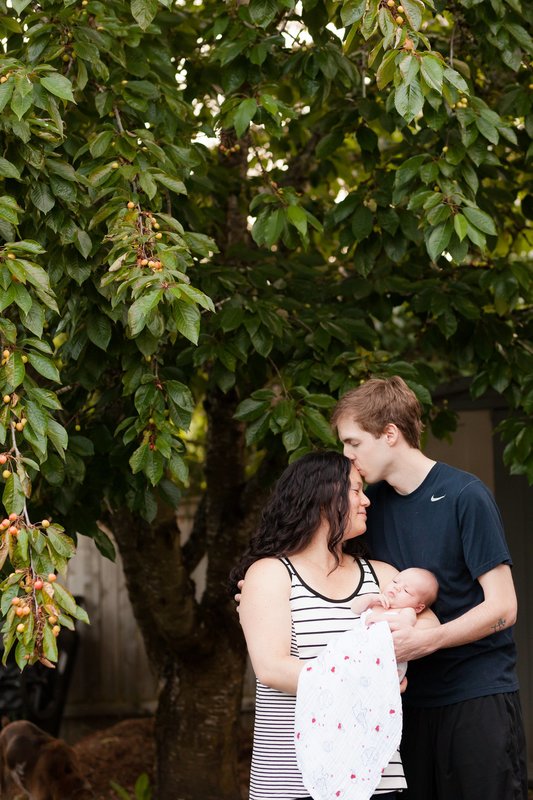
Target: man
<point x="463" y="736"/>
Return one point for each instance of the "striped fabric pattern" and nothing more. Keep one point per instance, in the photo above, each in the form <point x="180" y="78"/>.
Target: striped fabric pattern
<point x="315" y="618"/>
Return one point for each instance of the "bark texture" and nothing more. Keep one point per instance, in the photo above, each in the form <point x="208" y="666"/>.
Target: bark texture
<point x="193" y="639"/>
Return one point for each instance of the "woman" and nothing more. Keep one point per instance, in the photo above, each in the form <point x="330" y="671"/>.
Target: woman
<point x="302" y="573"/>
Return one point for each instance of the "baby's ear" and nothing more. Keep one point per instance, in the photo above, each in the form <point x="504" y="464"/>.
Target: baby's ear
<point x="420" y="607"/>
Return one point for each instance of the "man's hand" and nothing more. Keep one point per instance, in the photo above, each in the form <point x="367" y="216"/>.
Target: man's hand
<point x="411" y="643"/>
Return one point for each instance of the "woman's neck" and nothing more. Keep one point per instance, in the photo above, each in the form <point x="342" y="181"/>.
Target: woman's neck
<point x="317" y="555"/>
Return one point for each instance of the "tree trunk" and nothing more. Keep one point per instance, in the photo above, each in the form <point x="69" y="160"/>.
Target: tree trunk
<point x="198" y="724"/>
<point x="193" y="638"/>
<point x="198" y="655"/>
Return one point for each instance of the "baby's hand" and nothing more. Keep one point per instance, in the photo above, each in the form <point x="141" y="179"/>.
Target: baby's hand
<point x="382" y="600"/>
<point x="379" y="600"/>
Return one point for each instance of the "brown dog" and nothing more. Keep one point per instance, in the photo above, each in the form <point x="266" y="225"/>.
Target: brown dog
<point x="43" y="767"/>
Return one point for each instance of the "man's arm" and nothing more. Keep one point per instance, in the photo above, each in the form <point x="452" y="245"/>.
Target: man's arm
<point x="496" y="612"/>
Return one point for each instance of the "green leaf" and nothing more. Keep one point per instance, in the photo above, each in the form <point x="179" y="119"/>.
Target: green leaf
<point x="20" y="5"/>
<point x="453" y="77"/>
<point x="262" y="12"/>
<point x="362" y="223"/>
<point x="413" y="13"/>
<point x="296" y="216"/>
<point x="139" y="458"/>
<point x="481" y="220"/>
<point x="58" y="436"/>
<point x="439" y="239"/>
<point x="120" y="791"/>
<point x="83" y="242"/>
<point x="139" y="312"/>
<point x="82" y="615"/>
<point x="36" y="417"/>
<point x="409" y="100"/>
<point x="104" y="544"/>
<point x="13" y="495"/>
<point x="42" y="197"/>
<point x="187" y="319"/>
<point x="58" y="85"/>
<point x="274" y="226"/>
<point x="64" y="598"/>
<point x="178" y="468"/>
<point x="50" y="644"/>
<point x="144" y="11"/>
<point x="20" y="103"/>
<point x="171" y="183"/>
<point x="386" y="69"/>
<point x="409" y="170"/>
<point x="318" y="426"/>
<point x="6" y="92"/>
<point x="180" y="394"/>
<point x="8" y="170"/>
<point x="352" y="11"/>
<point x="292" y="437"/>
<point x="476" y="236"/>
<point x="460" y="226"/>
<point x="53" y="470"/>
<point x="44" y="366"/>
<point x="432" y="69"/>
<point x="244" y="114"/>
<point x="386" y="26"/>
<point x="14" y="371"/>
<point x="99" y="330"/>
<point x="154" y="466"/>
<point x="257" y="429"/>
<point x="488" y="130"/>
<point x="148" y="184"/>
<point x="409" y="67"/>
<point x="320" y="400"/>
<point x="101" y="143"/>
<point x="251" y="409"/>
<point x="62" y="544"/>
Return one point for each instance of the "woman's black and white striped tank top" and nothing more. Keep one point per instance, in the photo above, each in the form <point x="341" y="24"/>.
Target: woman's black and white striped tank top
<point x="315" y="619"/>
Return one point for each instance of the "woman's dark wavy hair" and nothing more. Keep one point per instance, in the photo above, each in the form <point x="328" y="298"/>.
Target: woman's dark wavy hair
<point x="314" y="487"/>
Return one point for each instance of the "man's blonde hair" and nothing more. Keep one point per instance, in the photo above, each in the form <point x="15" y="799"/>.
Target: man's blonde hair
<point x="377" y="403"/>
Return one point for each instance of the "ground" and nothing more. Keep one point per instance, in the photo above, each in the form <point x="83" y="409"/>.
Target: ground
<point x="125" y="750"/>
<point x="122" y="752"/>
<point x="119" y="753"/>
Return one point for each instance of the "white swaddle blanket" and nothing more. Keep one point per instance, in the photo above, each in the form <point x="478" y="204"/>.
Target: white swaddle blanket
<point x="348" y="720"/>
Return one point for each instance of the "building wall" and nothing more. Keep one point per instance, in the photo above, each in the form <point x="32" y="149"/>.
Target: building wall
<point x="112" y="676"/>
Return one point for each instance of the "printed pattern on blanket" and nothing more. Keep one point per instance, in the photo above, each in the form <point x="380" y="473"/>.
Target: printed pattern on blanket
<point x="348" y="714"/>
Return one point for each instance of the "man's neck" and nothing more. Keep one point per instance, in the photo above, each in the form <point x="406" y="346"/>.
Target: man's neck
<point x="410" y="471"/>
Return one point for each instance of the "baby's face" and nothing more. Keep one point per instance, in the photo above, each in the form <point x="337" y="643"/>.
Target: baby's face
<point x="405" y="590"/>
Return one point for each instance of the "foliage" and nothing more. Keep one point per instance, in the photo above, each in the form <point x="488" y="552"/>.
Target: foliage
<point x="142" y="789"/>
<point x="266" y="201"/>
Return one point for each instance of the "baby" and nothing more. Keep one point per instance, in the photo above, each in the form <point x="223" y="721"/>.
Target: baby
<point x="409" y="593"/>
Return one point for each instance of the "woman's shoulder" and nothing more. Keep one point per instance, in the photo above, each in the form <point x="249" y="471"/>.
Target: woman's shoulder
<point x="266" y="575"/>
<point x="383" y="571"/>
<point x="265" y="567"/>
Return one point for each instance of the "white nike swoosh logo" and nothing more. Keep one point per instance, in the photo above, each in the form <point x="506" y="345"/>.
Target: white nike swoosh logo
<point x="434" y="499"/>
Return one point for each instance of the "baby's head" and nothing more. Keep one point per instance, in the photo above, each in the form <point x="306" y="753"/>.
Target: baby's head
<point x="412" y="588"/>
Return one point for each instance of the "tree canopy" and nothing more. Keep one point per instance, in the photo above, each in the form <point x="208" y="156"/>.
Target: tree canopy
<point x="215" y="217"/>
